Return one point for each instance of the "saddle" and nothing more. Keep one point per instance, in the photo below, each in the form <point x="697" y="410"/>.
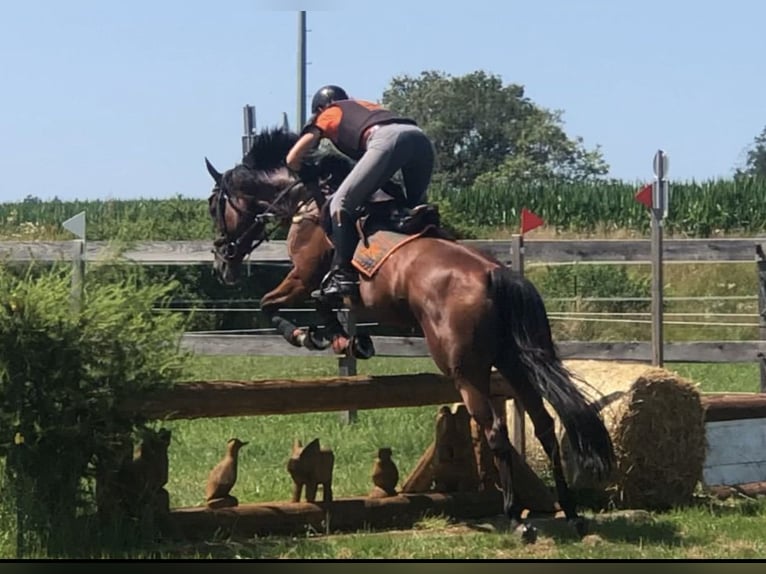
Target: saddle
<point x="387" y="210"/>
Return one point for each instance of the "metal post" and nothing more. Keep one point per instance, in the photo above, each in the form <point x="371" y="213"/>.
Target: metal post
<point x="518" y="432"/>
<point x="301" y="115"/>
<point x="660" y="199"/>
<point x="657" y="300"/>
<point x="248" y="113"/>
<point x="347" y="363"/>
<point x="761" y="266"/>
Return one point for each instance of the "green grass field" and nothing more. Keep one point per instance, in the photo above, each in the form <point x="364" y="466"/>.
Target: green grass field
<point x="709" y="530"/>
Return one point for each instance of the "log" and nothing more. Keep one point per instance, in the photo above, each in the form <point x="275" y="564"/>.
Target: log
<point x="752" y="489"/>
<point x="733" y="406"/>
<point x="346" y="514"/>
<point x="268" y="397"/>
<point x="422" y="476"/>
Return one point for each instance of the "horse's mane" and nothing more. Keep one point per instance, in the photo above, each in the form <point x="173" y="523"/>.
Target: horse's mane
<point x="269" y="149"/>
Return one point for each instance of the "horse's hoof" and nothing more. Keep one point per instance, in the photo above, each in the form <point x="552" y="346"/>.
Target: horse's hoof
<point x="314" y="341"/>
<point x="580" y="525"/>
<point x="527" y="533"/>
<point x="340" y="344"/>
<point x="362" y="347"/>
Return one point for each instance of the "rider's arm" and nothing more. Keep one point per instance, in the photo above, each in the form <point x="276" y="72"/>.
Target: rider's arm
<point x="305" y="143"/>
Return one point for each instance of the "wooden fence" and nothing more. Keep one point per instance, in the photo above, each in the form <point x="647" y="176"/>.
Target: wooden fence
<point x="533" y="252"/>
<point x="543" y="251"/>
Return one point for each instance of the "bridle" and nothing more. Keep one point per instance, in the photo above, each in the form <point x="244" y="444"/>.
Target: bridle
<point x="231" y="248"/>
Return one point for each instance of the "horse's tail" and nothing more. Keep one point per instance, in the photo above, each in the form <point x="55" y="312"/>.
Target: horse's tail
<point x="526" y="336"/>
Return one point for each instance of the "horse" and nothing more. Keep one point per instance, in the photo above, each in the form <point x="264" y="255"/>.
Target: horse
<point x="474" y="312"/>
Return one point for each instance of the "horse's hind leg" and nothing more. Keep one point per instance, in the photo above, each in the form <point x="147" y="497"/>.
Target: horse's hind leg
<point x="545" y="431"/>
<point x="492" y="422"/>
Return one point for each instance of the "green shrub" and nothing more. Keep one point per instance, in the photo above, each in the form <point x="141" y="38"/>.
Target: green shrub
<point x="579" y="282"/>
<point x="61" y="375"/>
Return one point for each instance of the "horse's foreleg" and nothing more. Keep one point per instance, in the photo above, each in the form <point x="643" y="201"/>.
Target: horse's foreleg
<point x="290" y="290"/>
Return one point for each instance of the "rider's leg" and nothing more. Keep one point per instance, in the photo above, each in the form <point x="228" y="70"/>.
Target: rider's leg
<point x="377" y="165"/>
<point x="417" y="171"/>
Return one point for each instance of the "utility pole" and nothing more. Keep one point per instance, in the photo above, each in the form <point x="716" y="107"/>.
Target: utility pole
<point x="301" y="115"/>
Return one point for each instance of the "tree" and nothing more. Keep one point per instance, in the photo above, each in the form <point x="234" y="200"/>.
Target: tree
<point x="755" y="164"/>
<point x="482" y="128"/>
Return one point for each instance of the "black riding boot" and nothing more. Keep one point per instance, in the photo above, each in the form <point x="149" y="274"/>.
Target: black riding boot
<point x="342" y="280"/>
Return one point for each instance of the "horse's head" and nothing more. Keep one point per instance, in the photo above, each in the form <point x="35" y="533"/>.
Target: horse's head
<point x="247" y="197"/>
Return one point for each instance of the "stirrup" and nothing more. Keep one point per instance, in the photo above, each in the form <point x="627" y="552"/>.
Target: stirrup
<point x="338" y="283"/>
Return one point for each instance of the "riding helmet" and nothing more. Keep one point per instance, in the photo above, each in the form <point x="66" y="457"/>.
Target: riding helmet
<point x="327" y="95"/>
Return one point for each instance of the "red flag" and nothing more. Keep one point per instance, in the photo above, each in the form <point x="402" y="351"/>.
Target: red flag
<point x="529" y="220"/>
<point x="644" y="195"/>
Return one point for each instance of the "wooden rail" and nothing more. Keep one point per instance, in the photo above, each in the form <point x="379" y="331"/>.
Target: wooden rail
<point x="282" y="396"/>
<point x="640" y="351"/>
<point x="210" y="399"/>
<point x="296" y="518"/>
<point x="536" y="251"/>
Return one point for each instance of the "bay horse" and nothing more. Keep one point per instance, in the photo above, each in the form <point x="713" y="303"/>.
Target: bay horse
<point x="474" y="312"/>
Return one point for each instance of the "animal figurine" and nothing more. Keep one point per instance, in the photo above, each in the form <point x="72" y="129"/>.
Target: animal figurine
<point x="311" y="466"/>
<point x="136" y="486"/>
<point x="223" y="476"/>
<point x="454" y="459"/>
<point x="385" y="475"/>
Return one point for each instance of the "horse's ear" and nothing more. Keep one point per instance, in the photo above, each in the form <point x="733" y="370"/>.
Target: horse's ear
<point x="214" y="173"/>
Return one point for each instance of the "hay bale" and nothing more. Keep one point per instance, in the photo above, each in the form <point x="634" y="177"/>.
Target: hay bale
<point x="656" y="421"/>
<point x="659" y="440"/>
<point x="605" y="381"/>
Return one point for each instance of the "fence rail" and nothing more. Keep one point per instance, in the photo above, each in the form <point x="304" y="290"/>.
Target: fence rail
<point x="535" y="251"/>
<point x="385" y="346"/>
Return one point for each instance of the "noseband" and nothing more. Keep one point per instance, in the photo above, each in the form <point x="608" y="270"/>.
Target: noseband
<point x="228" y="248"/>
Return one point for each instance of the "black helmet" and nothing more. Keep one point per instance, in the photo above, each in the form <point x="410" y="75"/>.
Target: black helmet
<point x="327" y="95"/>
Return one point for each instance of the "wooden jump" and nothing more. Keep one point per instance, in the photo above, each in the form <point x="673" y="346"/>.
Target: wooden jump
<point x="269" y="397"/>
<point x="345" y="514"/>
<point x="733" y="406"/>
<point x="284" y="396"/>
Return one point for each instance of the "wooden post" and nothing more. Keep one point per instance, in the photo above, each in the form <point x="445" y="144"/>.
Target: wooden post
<point x="76" y="225"/>
<point x="78" y="274"/>
<point x="347" y="363"/>
<point x="760" y="262"/>
<point x="518" y="432"/>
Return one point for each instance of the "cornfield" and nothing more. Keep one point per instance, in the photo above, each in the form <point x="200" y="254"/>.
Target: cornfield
<point x="696" y="210"/>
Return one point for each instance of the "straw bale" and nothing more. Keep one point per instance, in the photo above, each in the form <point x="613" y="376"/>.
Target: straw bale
<point x="656" y="421"/>
<point x="659" y="442"/>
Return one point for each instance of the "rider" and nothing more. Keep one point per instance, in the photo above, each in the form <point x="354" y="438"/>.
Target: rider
<point x="382" y="142"/>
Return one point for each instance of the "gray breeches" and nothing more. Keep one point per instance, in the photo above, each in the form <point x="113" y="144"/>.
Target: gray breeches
<point x="390" y="148"/>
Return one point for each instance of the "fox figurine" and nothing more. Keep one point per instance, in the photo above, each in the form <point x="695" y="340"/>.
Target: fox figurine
<point x="311" y="466"/>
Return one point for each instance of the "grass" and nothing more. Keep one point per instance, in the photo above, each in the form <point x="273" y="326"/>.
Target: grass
<point x="710" y="530"/>
<point x="714" y="531"/>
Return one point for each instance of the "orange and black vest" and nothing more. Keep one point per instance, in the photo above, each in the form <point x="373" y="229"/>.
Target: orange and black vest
<point x="355" y="119"/>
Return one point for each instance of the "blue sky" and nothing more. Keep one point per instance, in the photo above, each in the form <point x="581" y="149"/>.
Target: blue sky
<point x="125" y="99"/>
